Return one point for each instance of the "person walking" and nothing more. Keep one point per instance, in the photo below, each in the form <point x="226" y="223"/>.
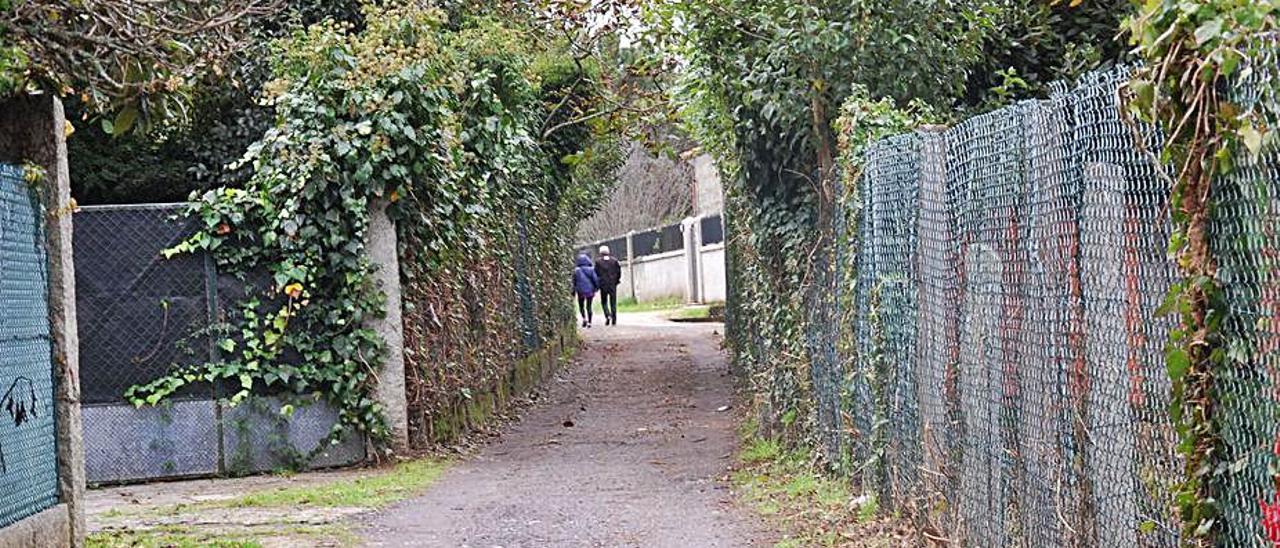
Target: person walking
<point x="609" y="272"/>
<point x="585" y="285"/>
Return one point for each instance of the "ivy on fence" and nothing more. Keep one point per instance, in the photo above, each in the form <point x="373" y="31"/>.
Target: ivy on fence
<point x="442" y="127"/>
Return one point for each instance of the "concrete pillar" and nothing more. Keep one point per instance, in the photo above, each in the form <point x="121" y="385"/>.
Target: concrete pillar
<point x="700" y="274"/>
<point x="689" y="229"/>
<point x="631" y="264"/>
<point x="384" y="252"/>
<point x="33" y="129"/>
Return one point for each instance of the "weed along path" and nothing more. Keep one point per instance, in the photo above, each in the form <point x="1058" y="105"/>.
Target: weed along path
<point x="627" y="449"/>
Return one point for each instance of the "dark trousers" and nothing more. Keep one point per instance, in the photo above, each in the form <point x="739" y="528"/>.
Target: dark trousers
<point x="584" y="306"/>
<point x="609" y="302"/>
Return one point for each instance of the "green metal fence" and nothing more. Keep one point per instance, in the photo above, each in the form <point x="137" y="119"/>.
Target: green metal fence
<point x="28" y="454"/>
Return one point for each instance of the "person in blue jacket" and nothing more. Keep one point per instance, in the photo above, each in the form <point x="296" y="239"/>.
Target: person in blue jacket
<point x="585" y="285"/>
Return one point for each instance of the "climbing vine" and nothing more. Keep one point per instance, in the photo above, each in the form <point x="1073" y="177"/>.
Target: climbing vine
<point x="437" y="125"/>
<point x="1192" y="52"/>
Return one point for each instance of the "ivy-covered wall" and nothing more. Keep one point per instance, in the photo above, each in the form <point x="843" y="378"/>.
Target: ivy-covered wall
<point x="478" y="136"/>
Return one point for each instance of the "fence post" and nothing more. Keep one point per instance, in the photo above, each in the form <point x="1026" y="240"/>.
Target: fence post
<point x="701" y="275"/>
<point x="689" y="227"/>
<point x="34" y="129"/>
<point x="631" y="264"/>
<point x="384" y="254"/>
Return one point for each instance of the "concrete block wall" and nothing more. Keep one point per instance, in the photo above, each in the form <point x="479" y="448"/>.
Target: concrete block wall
<point x="659" y="277"/>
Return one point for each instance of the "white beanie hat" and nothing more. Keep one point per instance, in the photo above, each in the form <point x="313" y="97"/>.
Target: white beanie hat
<point x="604" y="250"/>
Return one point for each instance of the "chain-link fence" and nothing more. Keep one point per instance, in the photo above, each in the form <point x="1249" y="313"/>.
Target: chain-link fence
<point x="1007" y="282"/>
<point x="1246" y="219"/>
<point x="139" y="313"/>
<point x="986" y="349"/>
<point x="28" y="451"/>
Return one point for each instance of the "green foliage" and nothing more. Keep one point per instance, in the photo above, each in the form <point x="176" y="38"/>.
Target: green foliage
<point x="200" y="152"/>
<point x="1192" y="51"/>
<point x="812" y="508"/>
<point x="765" y="85"/>
<point x="13" y="61"/>
<point x="441" y="128"/>
<point x="768" y="77"/>
<point x="1036" y="43"/>
<point x="169" y="537"/>
<point x="478" y="304"/>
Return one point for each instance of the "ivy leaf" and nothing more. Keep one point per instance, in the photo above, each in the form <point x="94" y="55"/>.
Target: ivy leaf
<point x="1144" y="94"/>
<point x="123" y="122"/>
<point x="1178" y="363"/>
<point x="1208" y="30"/>
<point x="1252" y="139"/>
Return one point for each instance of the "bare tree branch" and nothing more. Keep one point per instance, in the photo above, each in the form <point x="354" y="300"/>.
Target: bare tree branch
<point x="651" y="191"/>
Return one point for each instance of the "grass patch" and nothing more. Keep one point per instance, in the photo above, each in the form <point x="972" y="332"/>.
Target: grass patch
<point x="378" y="489"/>
<point x="695" y="312"/>
<point x="631" y="305"/>
<point x="761" y="451"/>
<point x="170" y="537"/>
<point x="401" y="482"/>
<point x="191" y="536"/>
<point x="812" y="508"/>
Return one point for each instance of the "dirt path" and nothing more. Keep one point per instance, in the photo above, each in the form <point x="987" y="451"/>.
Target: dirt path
<point x="627" y="450"/>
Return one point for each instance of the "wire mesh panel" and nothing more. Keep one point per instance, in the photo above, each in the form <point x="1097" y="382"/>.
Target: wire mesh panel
<point x="986" y="158"/>
<point x="1126" y="274"/>
<point x="1244" y="227"/>
<point x="28" y="453"/>
<point x="889" y="334"/>
<point x="937" y="334"/>
<point x="139" y="313"/>
<point x="825" y="370"/>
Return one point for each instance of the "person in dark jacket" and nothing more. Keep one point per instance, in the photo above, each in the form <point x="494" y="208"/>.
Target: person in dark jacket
<point x="585" y="285"/>
<point x="609" y="272"/>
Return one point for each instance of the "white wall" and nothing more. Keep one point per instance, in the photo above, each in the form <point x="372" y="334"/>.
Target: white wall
<point x="661" y="276"/>
<point x="666" y="276"/>
<point x="713" y="284"/>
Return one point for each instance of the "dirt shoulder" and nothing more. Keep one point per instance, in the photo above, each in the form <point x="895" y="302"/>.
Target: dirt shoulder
<point x="629" y="448"/>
